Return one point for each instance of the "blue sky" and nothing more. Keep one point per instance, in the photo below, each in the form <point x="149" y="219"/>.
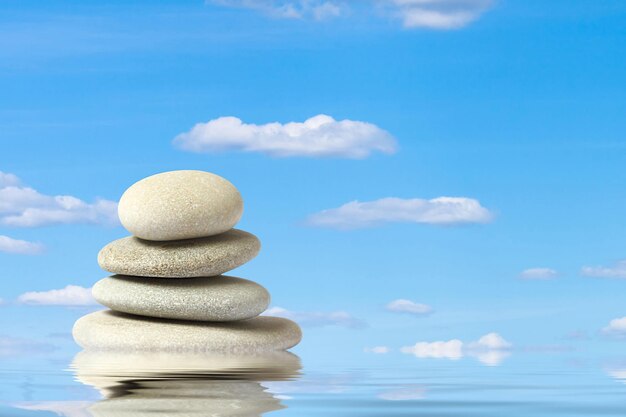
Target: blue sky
<point x="515" y="105"/>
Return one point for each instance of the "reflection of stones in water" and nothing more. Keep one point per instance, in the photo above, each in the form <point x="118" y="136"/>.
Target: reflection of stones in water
<point x="188" y="398"/>
<point x="492" y="357"/>
<point x="182" y="384"/>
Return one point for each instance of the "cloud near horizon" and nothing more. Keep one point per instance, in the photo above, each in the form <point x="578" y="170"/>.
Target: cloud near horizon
<point x="379" y="350"/>
<point x="538" y="274"/>
<point x="616" y="327"/>
<point x="617" y="271"/>
<point x="491" y="349"/>
<point x="318" y="318"/>
<point x="295" y="9"/>
<point x="427" y="14"/>
<point x="442" y="211"/>
<point x="20" y="247"/>
<point x="22" y="206"/>
<point x="320" y="136"/>
<point x="409" y="307"/>
<point x="71" y="296"/>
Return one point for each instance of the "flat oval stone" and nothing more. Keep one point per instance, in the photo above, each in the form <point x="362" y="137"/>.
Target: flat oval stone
<point x="111" y="330"/>
<point x="189" y="258"/>
<point x="220" y="298"/>
<point x="180" y="205"/>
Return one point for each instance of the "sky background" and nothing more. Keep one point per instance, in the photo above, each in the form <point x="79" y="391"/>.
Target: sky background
<point x="516" y="106"/>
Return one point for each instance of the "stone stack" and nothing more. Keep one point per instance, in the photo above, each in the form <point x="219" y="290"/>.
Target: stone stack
<point x="168" y="292"/>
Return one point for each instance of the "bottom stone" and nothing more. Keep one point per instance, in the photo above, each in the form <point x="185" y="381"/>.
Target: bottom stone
<point x="111" y="330"/>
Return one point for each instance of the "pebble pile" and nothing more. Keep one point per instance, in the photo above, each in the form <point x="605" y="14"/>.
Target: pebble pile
<point x="168" y="292"/>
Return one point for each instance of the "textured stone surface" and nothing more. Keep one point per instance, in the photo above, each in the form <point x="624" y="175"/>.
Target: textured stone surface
<point x="180" y="205"/>
<point x="220" y="298"/>
<point x="181" y="258"/>
<point x="109" y="330"/>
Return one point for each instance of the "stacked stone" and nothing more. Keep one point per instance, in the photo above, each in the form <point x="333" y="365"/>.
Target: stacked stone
<point x="168" y="292"/>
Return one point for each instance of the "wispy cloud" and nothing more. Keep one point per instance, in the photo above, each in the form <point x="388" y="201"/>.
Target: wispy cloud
<point x="320" y="136"/>
<point x="490" y="349"/>
<point x="380" y="350"/>
<point x="318" y="318"/>
<point x="443" y="211"/>
<point x="428" y="14"/>
<point x="21" y="247"/>
<point x="22" y="206"/>
<point x="618" y="270"/>
<point x="409" y="307"/>
<point x="72" y="295"/>
<point x="616" y="327"/>
<point x="15" y="346"/>
<point x="437" y="14"/>
<point x="577" y="335"/>
<point x="294" y="9"/>
<point x="538" y="274"/>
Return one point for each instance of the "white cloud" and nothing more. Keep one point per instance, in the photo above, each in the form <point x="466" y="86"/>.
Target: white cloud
<point x="437" y="14"/>
<point x="452" y="349"/>
<point x="60" y="408"/>
<point x="21" y="247"/>
<point x="429" y="14"/>
<point x="437" y="211"/>
<point x="22" y="206"/>
<point x="491" y="341"/>
<point x="380" y="350"/>
<point x="72" y="295"/>
<point x="616" y="327"/>
<point x="616" y="271"/>
<point x="490" y="349"/>
<point x="7" y="179"/>
<point x="319" y="136"/>
<point x="317" y="318"/>
<point x="538" y="274"/>
<point x="294" y="9"/>
<point x="410" y="307"/>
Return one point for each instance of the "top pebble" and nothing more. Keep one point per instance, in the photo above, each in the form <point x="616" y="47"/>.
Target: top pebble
<point x="180" y="205"/>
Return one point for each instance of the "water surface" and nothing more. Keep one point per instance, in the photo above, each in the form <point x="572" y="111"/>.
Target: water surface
<point x="176" y="384"/>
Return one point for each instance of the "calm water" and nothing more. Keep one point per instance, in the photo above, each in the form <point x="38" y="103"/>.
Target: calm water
<point x="116" y="385"/>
